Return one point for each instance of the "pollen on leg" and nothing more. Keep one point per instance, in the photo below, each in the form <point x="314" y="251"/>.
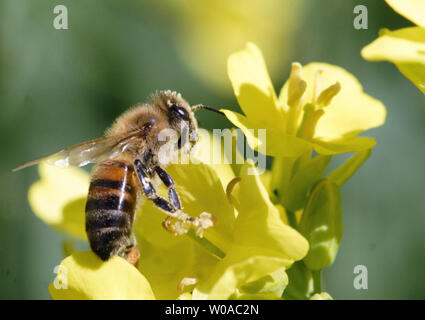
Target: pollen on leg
<point x="179" y="227"/>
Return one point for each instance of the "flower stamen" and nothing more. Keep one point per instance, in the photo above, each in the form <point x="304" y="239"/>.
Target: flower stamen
<point x="296" y="91"/>
<point x="297" y="86"/>
<point x="308" y="110"/>
<point x="328" y="94"/>
<point x="187" y="284"/>
<point x="317" y="85"/>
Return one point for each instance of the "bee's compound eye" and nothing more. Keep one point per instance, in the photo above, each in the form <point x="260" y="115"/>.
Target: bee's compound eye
<point x="179" y="112"/>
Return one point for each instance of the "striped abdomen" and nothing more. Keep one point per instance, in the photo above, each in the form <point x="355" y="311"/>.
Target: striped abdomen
<point x="110" y="207"/>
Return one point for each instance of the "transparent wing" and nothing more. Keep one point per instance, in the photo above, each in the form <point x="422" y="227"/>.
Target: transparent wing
<point x="86" y="152"/>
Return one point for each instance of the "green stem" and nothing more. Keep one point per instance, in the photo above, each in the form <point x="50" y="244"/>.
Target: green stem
<point x="317" y="281"/>
<point x="206" y="244"/>
<point x="292" y="219"/>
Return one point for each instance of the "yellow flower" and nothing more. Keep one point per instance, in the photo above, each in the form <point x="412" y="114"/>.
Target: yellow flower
<point x="404" y="47"/>
<point x="245" y="254"/>
<point x="320" y="107"/>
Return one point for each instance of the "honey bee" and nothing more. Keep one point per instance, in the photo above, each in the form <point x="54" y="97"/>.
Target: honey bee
<point x="127" y="160"/>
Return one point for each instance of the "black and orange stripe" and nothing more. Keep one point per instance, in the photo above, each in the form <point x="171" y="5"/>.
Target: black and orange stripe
<point x="110" y="207"/>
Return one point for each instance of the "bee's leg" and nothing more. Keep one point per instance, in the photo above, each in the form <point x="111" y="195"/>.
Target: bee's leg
<point x="169" y="183"/>
<point x="149" y="190"/>
<point x="130" y="252"/>
<point x="173" y="208"/>
<point x="204" y="221"/>
<point x="160" y="202"/>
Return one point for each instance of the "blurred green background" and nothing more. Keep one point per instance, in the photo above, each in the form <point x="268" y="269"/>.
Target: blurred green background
<point x="61" y="87"/>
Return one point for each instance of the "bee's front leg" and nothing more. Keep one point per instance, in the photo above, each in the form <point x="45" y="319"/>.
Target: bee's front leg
<point x="150" y="192"/>
<point x="173" y="208"/>
<point x="169" y="183"/>
<point x="205" y="220"/>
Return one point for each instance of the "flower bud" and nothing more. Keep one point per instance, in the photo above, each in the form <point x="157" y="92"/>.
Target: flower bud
<point x="321" y="224"/>
<point x="308" y="173"/>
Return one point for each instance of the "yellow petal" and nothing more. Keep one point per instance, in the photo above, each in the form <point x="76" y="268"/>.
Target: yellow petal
<point x="268" y="287"/>
<point x="241" y="265"/>
<point x="273" y="142"/>
<point x="350" y="112"/>
<point x="253" y="88"/>
<point x="414" y="10"/>
<point x="352" y="144"/>
<point x="84" y="276"/>
<point x="165" y="267"/>
<point x="405" y="48"/>
<point x="403" y="45"/>
<point x="266" y="179"/>
<point x="259" y="224"/>
<point x="59" y="197"/>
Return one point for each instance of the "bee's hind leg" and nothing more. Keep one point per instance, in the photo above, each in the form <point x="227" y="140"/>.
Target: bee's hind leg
<point x="130" y="252"/>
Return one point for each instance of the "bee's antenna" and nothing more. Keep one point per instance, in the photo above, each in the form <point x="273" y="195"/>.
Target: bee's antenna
<point x="201" y="106"/>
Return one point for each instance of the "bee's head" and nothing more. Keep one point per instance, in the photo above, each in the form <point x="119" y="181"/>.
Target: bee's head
<point x="180" y="115"/>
